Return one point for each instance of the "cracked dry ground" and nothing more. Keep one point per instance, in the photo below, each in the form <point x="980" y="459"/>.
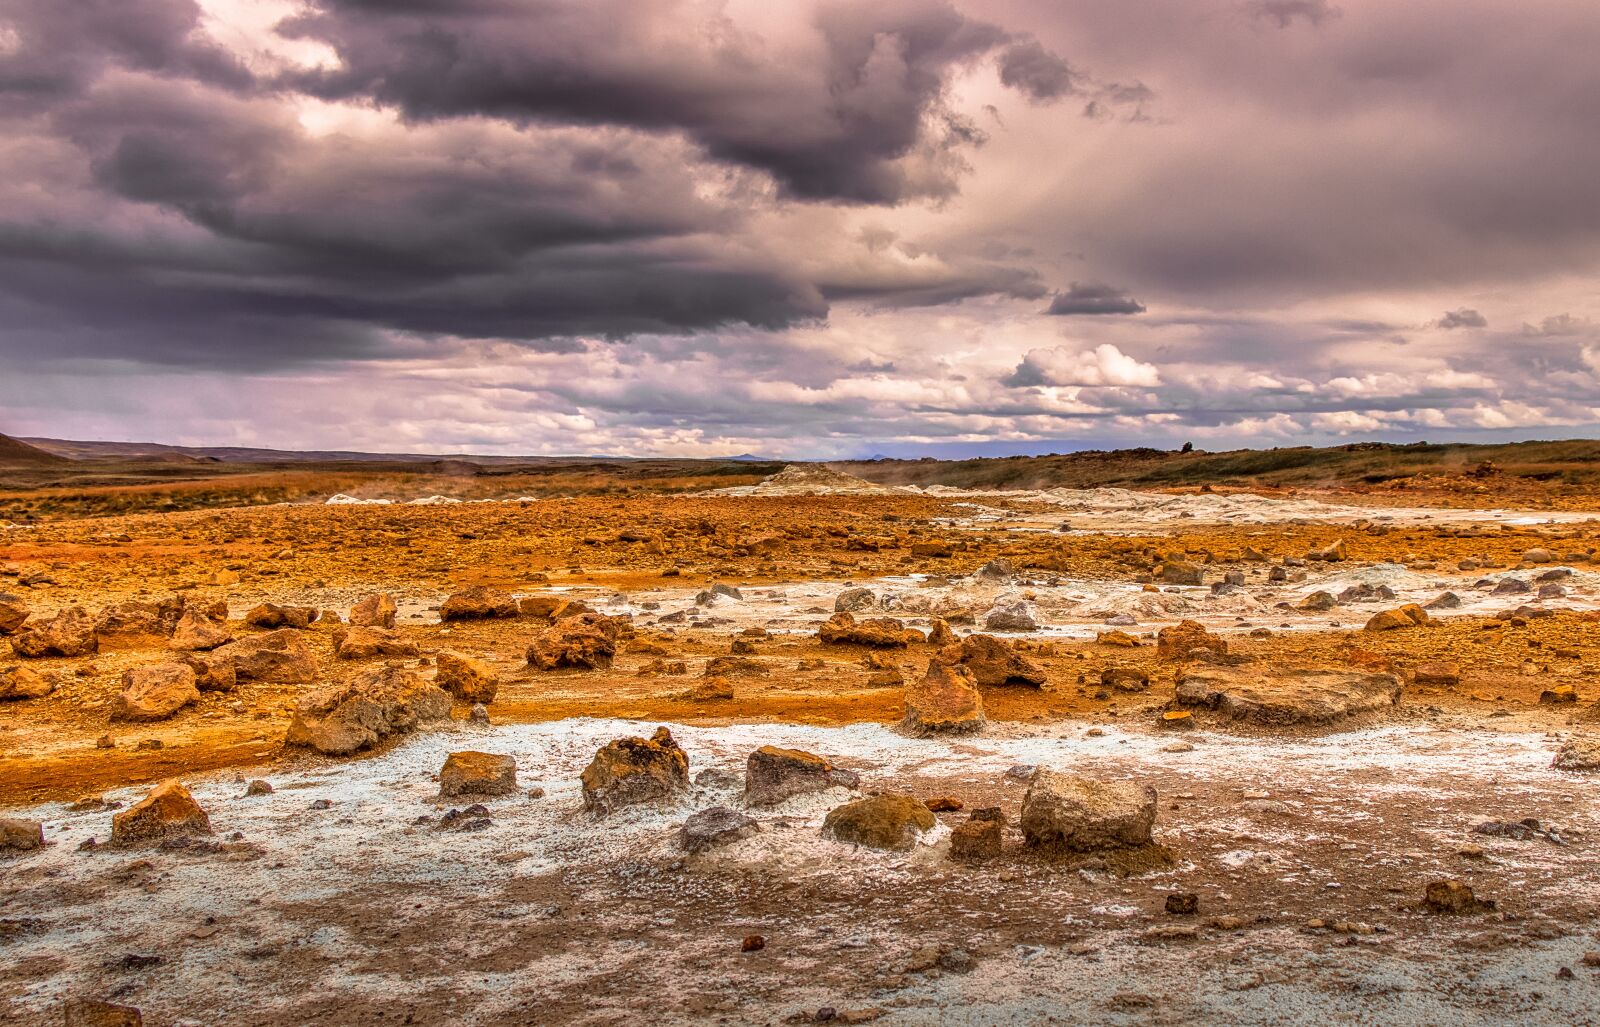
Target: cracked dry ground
<point x="1309" y="850"/>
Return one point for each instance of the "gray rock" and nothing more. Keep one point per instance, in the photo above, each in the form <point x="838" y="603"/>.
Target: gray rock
<point x="716" y="826"/>
<point x="855" y="600"/>
<point x="1081" y="814"/>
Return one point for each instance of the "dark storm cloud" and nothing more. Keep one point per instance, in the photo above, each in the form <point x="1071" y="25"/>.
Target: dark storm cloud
<point x="1093" y="298"/>
<point x="857" y="112"/>
<point x="1285" y="13"/>
<point x="1041" y="75"/>
<point x="1466" y="317"/>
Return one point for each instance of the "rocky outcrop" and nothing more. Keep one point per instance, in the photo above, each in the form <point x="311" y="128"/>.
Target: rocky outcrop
<point x="1188" y="639"/>
<point x="944" y="701"/>
<point x="136" y="617"/>
<point x="195" y="632"/>
<point x="272" y="616"/>
<point x="212" y="673"/>
<point x="1081" y="814"/>
<point x="467" y="679"/>
<point x="1315" y="697"/>
<point x="155" y="693"/>
<point x="477" y="773"/>
<point x="877" y="632"/>
<point x="279" y="657"/>
<point x="981" y="837"/>
<point x="1017" y="615"/>
<point x="630" y="771"/>
<point x="478" y="603"/>
<point x="1580" y="752"/>
<point x="891" y="822"/>
<point x="169" y="811"/>
<point x="71" y="632"/>
<point x="12" y="613"/>
<point x="773" y="775"/>
<point x="855" y="600"/>
<point x="372" y="705"/>
<point x="587" y="641"/>
<point x="993" y="661"/>
<point x="1182" y="572"/>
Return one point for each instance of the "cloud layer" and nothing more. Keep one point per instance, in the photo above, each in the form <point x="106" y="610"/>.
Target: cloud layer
<point x="832" y="227"/>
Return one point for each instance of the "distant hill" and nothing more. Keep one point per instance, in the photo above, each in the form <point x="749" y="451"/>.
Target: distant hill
<point x="15" y="453"/>
<point x="82" y="450"/>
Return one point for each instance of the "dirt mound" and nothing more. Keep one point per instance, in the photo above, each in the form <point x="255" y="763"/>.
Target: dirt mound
<point x="14" y="454"/>
<point x="812" y="480"/>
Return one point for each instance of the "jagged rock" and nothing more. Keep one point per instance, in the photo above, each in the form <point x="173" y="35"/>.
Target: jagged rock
<point x="1453" y="897"/>
<point x="169" y="811"/>
<point x="359" y="643"/>
<point x="993" y="661"/>
<point x="981" y="837"/>
<point x="1289" y="697"/>
<point x="280" y="657"/>
<point x="20" y="835"/>
<point x="83" y="1012"/>
<point x="1443" y="601"/>
<point x="478" y="603"/>
<point x="892" y="822"/>
<point x="467" y="679"/>
<point x="1182" y="640"/>
<point x="1317" y="602"/>
<point x="365" y="709"/>
<point x="375" y="611"/>
<point x="773" y="775"/>
<point x="630" y="771"/>
<point x="998" y="569"/>
<point x="1080" y="814"/>
<point x="155" y="693"/>
<point x="24" y="683"/>
<point x="945" y="701"/>
<point x="1125" y="679"/>
<point x="551" y="607"/>
<point x="1334" y="552"/>
<point x="12" y="613"/>
<point x="271" y="615"/>
<point x="195" y="632"/>
<point x="712" y="689"/>
<point x="1018" y="615"/>
<point x="1407" y="616"/>
<point x="138" y="617"/>
<point x="587" y="641"/>
<point x="1512" y="587"/>
<point x="1117" y="638"/>
<point x="1181" y="572"/>
<point x="1580" y="752"/>
<point x="879" y="632"/>
<point x="212" y="672"/>
<point x="940" y="633"/>
<point x="69" y="633"/>
<point x="715" y="827"/>
<point x="1437" y="672"/>
<point x="1559" y="694"/>
<point x="477" y="773"/>
<point x="855" y="600"/>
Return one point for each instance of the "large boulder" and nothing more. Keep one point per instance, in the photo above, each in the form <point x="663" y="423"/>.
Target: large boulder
<point x="945" y="701"/>
<point x="773" y="774"/>
<point x="24" y="683"/>
<point x="993" y="661"/>
<point x="69" y="633"/>
<point x="630" y="771"/>
<point x="155" y="692"/>
<point x="893" y="822"/>
<point x="477" y="773"/>
<point x="1081" y="814"/>
<point x="714" y="827"/>
<point x="375" y="611"/>
<point x="1289" y="697"/>
<point x="467" y="679"/>
<point x="479" y="602"/>
<point x="169" y="811"/>
<point x="195" y="632"/>
<point x="212" y="672"/>
<point x="1407" y="616"/>
<point x="137" y="617"/>
<point x="359" y="643"/>
<point x="587" y="641"/>
<point x="365" y="709"/>
<point x="878" y="632"/>
<point x="20" y="835"/>
<point x="12" y="613"/>
<point x="271" y="616"/>
<point x="1016" y="615"/>
<point x="279" y="657"/>
<point x="1181" y="641"/>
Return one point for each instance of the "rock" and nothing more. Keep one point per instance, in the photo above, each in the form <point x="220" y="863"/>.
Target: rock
<point x="1117" y="638"/>
<point x="1537" y="556"/>
<point x="1437" y="672"/>
<point x="1176" y="720"/>
<point x="630" y="771"/>
<point x="212" y="673"/>
<point x="71" y="632"/>
<point x="477" y="773"/>
<point x="878" y="632"/>
<point x="1409" y="615"/>
<point x="1288" y="697"/>
<point x="551" y="607"/>
<point x="945" y="701"/>
<point x="24" y="683"/>
<point x="478" y="603"/>
<point x="195" y="632"/>
<point x="12" y="613"/>
<point x="84" y="1012"/>
<point x="139" y="617"/>
<point x="279" y="657"/>
<point x="169" y="811"/>
<point x="587" y="641"/>
<point x="375" y="611"/>
<point x="478" y="715"/>
<point x="1443" y="601"/>
<point x="155" y="692"/>
<point x="993" y="661"/>
<point x="363" y="710"/>
<point x="1454" y="897"/>
<point x="1559" y="694"/>
<point x="467" y="679"/>
<point x="258" y="787"/>
<point x="359" y="643"/>
<point x="773" y="775"/>
<point x="712" y="689"/>
<point x="892" y="822"/>
<point x="1183" y="903"/>
<point x="271" y="616"/>
<point x="20" y="835"/>
<point x="1580" y="752"/>
<point x="1080" y="814"/>
<point x="1182" y="572"/>
<point x="1511" y="587"/>
<point x="1334" y="552"/>
<point x="715" y="827"/>
<point x="981" y="837"/>
<point x="940" y="633"/>
<point x="1317" y="602"/>
<point x="1017" y="615"/>
<point x="999" y="569"/>
<point x="855" y="600"/>
<point x="1181" y="641"/>
<point x="1125" y="679"/>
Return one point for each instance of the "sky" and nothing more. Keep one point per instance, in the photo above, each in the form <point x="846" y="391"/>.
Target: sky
<point x="821" y="228"/>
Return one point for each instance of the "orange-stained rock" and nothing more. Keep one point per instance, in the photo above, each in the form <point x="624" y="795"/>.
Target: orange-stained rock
<point x="168" y="811"/>
<point x="1407" y="616"/>
<point x="375" y="611"/>
<point x="467" y="679"/>
<point x="1180" y="641"/>
<point x="1437" y="672"/>
<point x="12" y="613"/>
<point x="84" y="1012"/>
<point x="587" y="641"/>
<point x="993" y="661"/>
<point x="280" y="657"/>
<point x="71" y="632"/>
<point x="196" y="632"/>
<point x="630" y="771"/>
<point x="891" y="822"/>
<point x="359" y="643"/>
<point x="24" y="683"/>
<point x="365" y="709"/>
<point x="478" y="603"/>
<point x="477" y="773"/>
<point x="880" y="632"/>
<point x="271" y="615"/>
<point x="944" y="701"/>
<point x="155" y="692"/>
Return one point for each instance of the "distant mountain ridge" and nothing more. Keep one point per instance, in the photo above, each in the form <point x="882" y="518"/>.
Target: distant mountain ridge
<point x="15" y="452"/>
<point x="54" y="449"/>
